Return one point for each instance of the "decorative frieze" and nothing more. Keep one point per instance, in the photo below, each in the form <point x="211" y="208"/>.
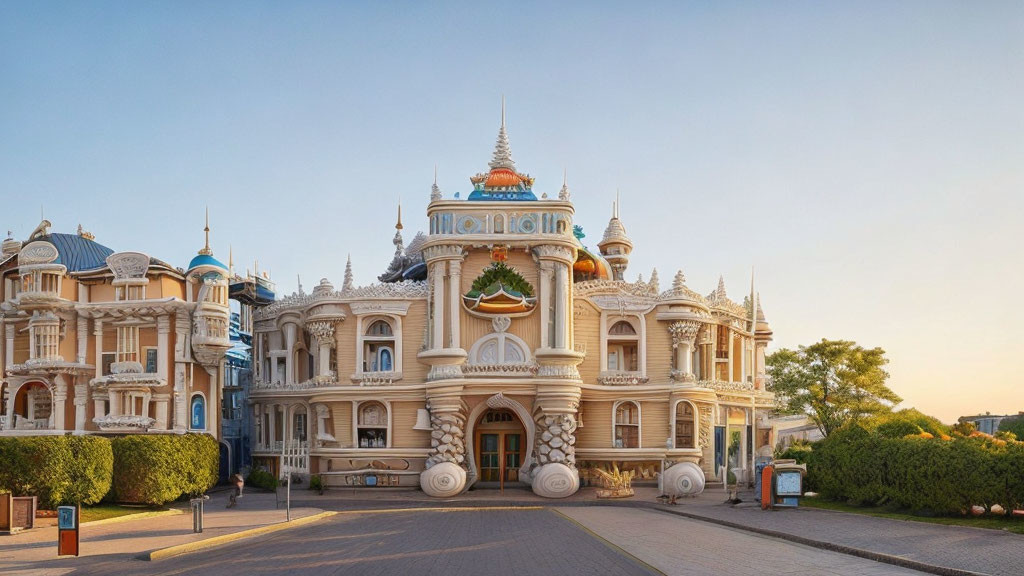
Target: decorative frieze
<point x="622" y="379"/>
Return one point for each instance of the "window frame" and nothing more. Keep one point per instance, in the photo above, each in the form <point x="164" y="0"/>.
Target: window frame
<point x="638" y="323"/>
<point x="696" y="425"/>
<point x="393" y="343"/>
<point x="356" y="425"/>
<point x="639" y="424"/>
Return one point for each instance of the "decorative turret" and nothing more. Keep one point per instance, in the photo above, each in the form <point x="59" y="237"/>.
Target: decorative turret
<point x="654" y="282"/>
<point x="435" y="190"/>
<point x="502" y="182"/>
<point x="347" y="283"/>
<point x="10" y="245"/>
<point x="211" y="337"/>
<point x="615" y="245"/>
<point x="563" y="194"/>
<point x="762" y="330"/>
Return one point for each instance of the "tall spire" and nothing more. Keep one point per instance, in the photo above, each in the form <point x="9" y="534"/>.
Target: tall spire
<point x="346" y="285"/>
<point x="398" y="225"/>
<point x="231" y="260"/>
<point x="563" y="194"/>
<point x="502" y="152"/>
<point x="206" y="249"/>
<point x="435" y="190"/>
<point x="615" y="213"/>
<point x="720" y="291"/>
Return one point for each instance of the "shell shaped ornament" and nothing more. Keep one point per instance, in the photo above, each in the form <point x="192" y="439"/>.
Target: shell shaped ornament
<point x="555" y="480"/>
<point x="684" y="479"/>
<point x="443" y="480"/>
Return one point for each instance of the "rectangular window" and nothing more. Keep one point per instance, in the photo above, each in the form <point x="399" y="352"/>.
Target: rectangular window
<point x="107" y="360"/>
<point x="151" y="356"/>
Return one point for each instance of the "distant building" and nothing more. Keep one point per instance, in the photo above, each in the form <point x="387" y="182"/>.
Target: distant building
<point x="98" y="341"/>
<point x="987" y="423"/>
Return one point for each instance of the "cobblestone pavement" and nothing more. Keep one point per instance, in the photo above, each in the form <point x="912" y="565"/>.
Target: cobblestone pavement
<point x="678" y="546"/>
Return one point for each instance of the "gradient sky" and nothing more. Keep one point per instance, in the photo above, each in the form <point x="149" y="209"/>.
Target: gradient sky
<point x="867" y="159"/>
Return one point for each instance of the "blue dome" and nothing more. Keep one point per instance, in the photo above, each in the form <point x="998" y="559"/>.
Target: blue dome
<point x="205" y="260"/>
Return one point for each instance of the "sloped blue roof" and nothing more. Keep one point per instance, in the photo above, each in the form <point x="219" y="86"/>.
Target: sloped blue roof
<point x="78" y="253"/>
<point x="205" y="260"/>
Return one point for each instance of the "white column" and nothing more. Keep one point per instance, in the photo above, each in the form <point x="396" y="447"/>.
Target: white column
<point x="545" y="303"/>
<point x="81" y="398"/>
<point x="729" y="342"/>
<point x="9" y="348"/>
<point x="60" y="397"/>
<point x="97" y="332"/>
<point x="454" y="283"/>
<point x="289" y="361"/>
<point x="325" y="356"/>
<point x="561" y="304"/>
<point x="163" y="333"/>
<point x="439" y="304"/>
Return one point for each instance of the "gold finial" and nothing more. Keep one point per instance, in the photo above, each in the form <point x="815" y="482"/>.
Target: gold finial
<point x="398" y="225"/>
<point x="206" y="249"/>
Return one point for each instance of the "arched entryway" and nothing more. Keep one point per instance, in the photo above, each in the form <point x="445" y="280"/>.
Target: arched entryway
<point x="32" y="407"/>
<point x="500" y="448"/>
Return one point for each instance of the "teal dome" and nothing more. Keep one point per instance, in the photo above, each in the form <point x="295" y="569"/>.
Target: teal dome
<point x="205" y="260"/>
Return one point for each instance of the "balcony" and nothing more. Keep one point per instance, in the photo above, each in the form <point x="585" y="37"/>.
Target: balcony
<point x="621" y="378"/>
<point x="376" y="378"/>
<point x="519" y="369"/>
<point x="724" y="386"/>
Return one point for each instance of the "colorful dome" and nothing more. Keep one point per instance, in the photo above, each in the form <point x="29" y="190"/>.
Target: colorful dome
<point x="502" y="177"/>
<point x="206" y="260"/>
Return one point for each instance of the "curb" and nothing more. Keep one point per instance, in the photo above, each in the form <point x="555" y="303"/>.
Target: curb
<point x="829" y="546"/>
<point x="198" y="545"/>
<point x="136" y="516"/>
<point x="613" y="546"/>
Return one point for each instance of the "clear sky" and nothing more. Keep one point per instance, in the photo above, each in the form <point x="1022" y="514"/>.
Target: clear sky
<point x="867" y="159"/>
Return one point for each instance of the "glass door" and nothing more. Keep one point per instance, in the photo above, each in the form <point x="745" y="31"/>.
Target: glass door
<point x="490" y="458"/>
<point x="513" y="456"/>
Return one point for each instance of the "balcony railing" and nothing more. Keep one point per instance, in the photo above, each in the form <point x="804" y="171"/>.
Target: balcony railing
<point x="621" y="378"/>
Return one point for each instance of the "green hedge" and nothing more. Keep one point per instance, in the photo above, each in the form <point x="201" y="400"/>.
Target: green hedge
<point x="59" y="470"/>
<point x="160" y="469"/>
<point x="262" y="479"/>
<point x="925" y="475"/>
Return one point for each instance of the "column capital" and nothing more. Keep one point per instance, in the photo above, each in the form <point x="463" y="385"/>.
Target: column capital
<point x="683" y="332"/>
<point x="163" y="324"/>
<point x="555" y="253"/>
<point x="323" y="331"/>
<point x="443" y="252"/>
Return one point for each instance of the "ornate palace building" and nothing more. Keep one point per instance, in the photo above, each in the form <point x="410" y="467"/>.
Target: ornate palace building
<point x="97" y="341"/>
<point x="500" y="349"/>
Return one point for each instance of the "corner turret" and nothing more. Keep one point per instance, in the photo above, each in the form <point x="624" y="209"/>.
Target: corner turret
<point x="615" y="245"/>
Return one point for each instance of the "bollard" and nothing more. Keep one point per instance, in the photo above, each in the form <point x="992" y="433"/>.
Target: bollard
<point x="198" y="505"/>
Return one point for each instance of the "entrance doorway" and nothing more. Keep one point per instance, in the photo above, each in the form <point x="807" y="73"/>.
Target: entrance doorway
<point x="500" y="448"/>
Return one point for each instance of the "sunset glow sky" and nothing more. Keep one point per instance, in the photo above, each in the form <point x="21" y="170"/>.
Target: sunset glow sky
<point x="866" y="159"/>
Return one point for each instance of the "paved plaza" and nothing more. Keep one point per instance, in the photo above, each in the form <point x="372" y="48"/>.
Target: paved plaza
<point x="516" y="533"/>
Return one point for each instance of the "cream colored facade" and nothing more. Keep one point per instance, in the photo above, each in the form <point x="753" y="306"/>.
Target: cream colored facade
<point x="499" y="348"/>
<point x="97" y="341"/>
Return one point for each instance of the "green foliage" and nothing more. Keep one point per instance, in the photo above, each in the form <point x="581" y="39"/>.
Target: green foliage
<point x="160" y="469"/>
<point x="833" y="381"/>
<point x="262" y="479"/>
<point x="965" y="428"/>
<point x="1013" y="424"/>
<point x="59" y="470"/>
<point x="930" y="476"/>
<point x="905" y="422"/>
<point x="499" y="274"/>
<point x="316" y="483"/>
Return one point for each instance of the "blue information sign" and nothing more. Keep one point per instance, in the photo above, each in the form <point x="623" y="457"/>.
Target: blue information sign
<point x="66" y="519"/>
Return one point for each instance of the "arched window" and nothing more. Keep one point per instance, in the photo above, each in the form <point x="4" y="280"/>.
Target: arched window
<point x="379" y="347"/>
<point x="499" y="224"/>
<point x="300" y="423"/>
<point x="627" y="425"/>
<point x="197" y="412"/>
<point x="686" y="436"/>
<point x="499" y="348"/>
<point x="623" y="348"/>
<point x="372" y="425"/>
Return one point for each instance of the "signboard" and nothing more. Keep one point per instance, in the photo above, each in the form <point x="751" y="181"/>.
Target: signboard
<point x="67" y="531"/>
<point x="788" y="483"/>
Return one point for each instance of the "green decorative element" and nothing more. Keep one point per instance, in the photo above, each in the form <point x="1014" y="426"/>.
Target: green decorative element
<point x="577" y="231"/>
<point x="496" y="276"/>
<point x="262" y="479"/>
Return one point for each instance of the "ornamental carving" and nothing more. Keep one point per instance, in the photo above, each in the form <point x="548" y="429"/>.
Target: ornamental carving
<point x="447" y="435"/>
<point x="705" y="426"/>
<point x="501" y="323"/>
<point x="38" y="252"/>
<point x="127" y="265"/>
<point x="556" y="439"/>
<point x="560" y="253"/>
<point x="323" y="331"/>
<point x="615" y="287"/>
<point x="683" y="332"/>
<point x="406" y="289"/>
<point x="443" y="251"/>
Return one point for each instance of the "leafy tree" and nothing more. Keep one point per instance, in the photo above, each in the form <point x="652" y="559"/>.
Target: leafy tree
<point x="1013" y="424"/>
<point x="833" y="381"/>
<point x="499" y="274"/>
<point x="903" y="422"/>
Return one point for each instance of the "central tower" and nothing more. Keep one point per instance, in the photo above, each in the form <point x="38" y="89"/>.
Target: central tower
<point x="499" y="325"/>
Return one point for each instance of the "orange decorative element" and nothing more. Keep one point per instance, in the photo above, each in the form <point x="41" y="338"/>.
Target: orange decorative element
<point x="501" y="302"/>
<point x="584" y="266"/>
<point x="499" y="254"/>
<point x="502" y="177"/>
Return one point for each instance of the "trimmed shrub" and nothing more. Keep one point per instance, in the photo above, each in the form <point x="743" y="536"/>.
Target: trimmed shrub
<point x="262" y="479"/>
<point x="925" y="475"/>
<point x="160" y="469"/>
<point x="59" y="470"/>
